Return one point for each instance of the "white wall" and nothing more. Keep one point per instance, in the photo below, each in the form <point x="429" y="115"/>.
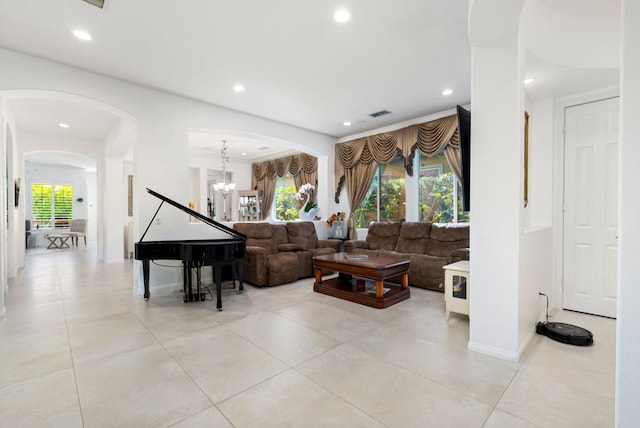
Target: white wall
<point x="12" y="226"/>
<point x="537" y="244"/>
<point x="3" y="207"/>
<point x="541" y="172"/>
<point x="628" y="326"/>
<point x="497" y="118"/>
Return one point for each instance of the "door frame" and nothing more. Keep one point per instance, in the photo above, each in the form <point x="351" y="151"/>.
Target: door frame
<point x="560" y="105"/>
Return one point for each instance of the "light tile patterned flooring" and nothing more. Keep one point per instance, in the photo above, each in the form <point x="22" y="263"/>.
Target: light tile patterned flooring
<point x="78" y="348"/>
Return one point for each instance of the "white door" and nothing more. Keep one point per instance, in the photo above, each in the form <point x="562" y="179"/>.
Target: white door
<point x="591" y="208"/>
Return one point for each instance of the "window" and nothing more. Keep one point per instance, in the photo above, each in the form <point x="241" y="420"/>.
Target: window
<point x="52" y="204"/>
<point x="440" y="193"/>
<point x="385" y="199"/>
<point x="285" y="204"/>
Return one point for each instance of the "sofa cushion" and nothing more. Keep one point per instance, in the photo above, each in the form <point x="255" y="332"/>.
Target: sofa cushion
<point x="413" y="237"/>
<point x="303" y="233"/>
<point x="280" y="235"/>
<point x="426" y="271"/>
<point x="445" y="238"/>
<point x="254" y="230"/>
<point x="290" y="247"/>
<point x="283" y="268"/>
<point x="258" y="235"/>
<point x="365" y="251"/>
<point x="383" y="235"/>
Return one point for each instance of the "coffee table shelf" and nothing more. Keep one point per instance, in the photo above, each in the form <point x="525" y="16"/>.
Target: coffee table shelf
<point x="336" y="288"/>
<point x="374" y="269"/>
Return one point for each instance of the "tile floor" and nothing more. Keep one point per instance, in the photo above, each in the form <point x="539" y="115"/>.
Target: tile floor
<point x="78" y="348"/>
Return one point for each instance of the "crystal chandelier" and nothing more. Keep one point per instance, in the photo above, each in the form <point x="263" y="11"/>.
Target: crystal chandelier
<point x="224" y="188"/>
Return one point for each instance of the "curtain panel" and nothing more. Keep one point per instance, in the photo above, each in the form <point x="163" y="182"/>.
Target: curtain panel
<point x="303" y="168"/>
<point x="431" y="138"/>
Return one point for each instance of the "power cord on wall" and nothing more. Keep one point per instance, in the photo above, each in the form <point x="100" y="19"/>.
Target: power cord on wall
<point x="547" y="297"/>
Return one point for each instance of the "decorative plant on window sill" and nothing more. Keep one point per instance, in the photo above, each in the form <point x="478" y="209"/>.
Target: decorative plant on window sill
<point x="335" y="217"/>
<point x="336" y="223"/>
<point x="309" y="208"/>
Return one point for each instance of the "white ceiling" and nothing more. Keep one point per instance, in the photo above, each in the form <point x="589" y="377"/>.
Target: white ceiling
<point x="298" y="65"/>
<point x="43" y="116"/>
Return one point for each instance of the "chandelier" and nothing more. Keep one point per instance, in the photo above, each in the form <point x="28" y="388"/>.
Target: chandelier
<point x="224" y="188"/>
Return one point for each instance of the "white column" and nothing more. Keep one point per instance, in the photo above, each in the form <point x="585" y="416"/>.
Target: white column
<point x="3" y="229"/>
<point x="113" y="209"/>
<point x="496" y="171"/>
<point x="628" y="331"/>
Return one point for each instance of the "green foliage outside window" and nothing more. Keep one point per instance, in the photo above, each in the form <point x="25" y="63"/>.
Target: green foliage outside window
<point x="388" y="186"/>
<point x="436" y="199"/>
<point x="41" y="204"/>
<point x="286" y="204"/>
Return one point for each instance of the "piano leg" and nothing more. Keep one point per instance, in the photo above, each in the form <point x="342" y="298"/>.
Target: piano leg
<point x="186" y="281"/>
<point x="217" y="269"/>
<point x="200" y="295"/>
<point x="145" y="278"/>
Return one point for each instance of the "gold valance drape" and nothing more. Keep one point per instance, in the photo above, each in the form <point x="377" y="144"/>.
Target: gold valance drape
<point x="303" y="167"/>
<point x="430" y="138"/>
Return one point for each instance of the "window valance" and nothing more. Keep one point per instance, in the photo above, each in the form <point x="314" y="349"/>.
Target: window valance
<point x="430" y="138"/>
<point x="303" y="168"/>
<point x="293" y="164"/>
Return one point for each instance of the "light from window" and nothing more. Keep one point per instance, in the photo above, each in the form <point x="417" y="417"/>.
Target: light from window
<point x="52" y="205"/>
<point x="386" y="198"/>
<point x="41" y="204"/>
<point x="440" y="193"/>
<point x="285" y="203"/>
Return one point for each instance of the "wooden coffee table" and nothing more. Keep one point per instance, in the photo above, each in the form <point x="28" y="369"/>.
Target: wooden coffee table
<point x="354" y="273"/>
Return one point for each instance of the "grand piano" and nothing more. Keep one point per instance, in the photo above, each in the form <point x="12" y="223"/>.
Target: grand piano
<point x="194" y="253"/>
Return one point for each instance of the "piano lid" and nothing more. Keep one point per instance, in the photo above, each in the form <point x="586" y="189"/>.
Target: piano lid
<point x="193" y="213"/>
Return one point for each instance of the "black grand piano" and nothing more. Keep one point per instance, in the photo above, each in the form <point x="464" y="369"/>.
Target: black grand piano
<point x="194" y="254"/>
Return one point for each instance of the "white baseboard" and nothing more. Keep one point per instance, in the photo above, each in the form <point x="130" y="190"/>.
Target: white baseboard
<point x="493" y="352"/>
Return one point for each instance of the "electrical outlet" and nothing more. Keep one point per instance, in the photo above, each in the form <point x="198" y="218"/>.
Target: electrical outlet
<point x="158" y="221"/>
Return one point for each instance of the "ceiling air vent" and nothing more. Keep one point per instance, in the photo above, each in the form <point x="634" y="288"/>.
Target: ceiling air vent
<point x="263" y="148"/>
<point x="380" y="113"/>
<point x="98" y="3"/>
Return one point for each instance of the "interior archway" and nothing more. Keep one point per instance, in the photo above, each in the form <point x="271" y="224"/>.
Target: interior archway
<point x="77" y="134"/>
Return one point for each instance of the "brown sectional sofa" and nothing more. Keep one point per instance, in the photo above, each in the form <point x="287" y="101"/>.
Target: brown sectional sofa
<point x="281" y="253"/>
<point x="428" y="246"/>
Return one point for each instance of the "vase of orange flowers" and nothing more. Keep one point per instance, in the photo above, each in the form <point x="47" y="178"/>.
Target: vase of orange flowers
<point x="336" y="223"/>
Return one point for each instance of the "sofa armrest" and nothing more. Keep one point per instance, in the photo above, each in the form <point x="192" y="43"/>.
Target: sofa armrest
<point x="349" y="246"/>
<point x="457" y="255"/>
<point x="251" y="249"/>
<point x="289" y="247"/>
<point x="334" y="244"/>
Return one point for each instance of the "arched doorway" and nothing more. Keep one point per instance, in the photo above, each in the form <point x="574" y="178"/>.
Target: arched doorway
<point x="86" y="137"/>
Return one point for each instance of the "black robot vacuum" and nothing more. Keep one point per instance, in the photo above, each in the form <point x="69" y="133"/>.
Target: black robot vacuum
<point x="565" y="333"/>
<point x="562" y="332"/>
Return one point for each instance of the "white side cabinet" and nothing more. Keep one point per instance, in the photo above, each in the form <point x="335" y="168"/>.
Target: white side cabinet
<point x="456" y="288"/>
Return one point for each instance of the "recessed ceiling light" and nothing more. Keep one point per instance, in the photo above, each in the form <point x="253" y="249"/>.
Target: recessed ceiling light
<point x="82" y="35"/>
<point x="342" y="15"/>
<point x="447" y="92"/>
<point x="244" y="154"/>
<point x="347" y="123"/>
<point x="529" y="80"/>
<point x="63" y="125"/>
<point x="238" y="88"/>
